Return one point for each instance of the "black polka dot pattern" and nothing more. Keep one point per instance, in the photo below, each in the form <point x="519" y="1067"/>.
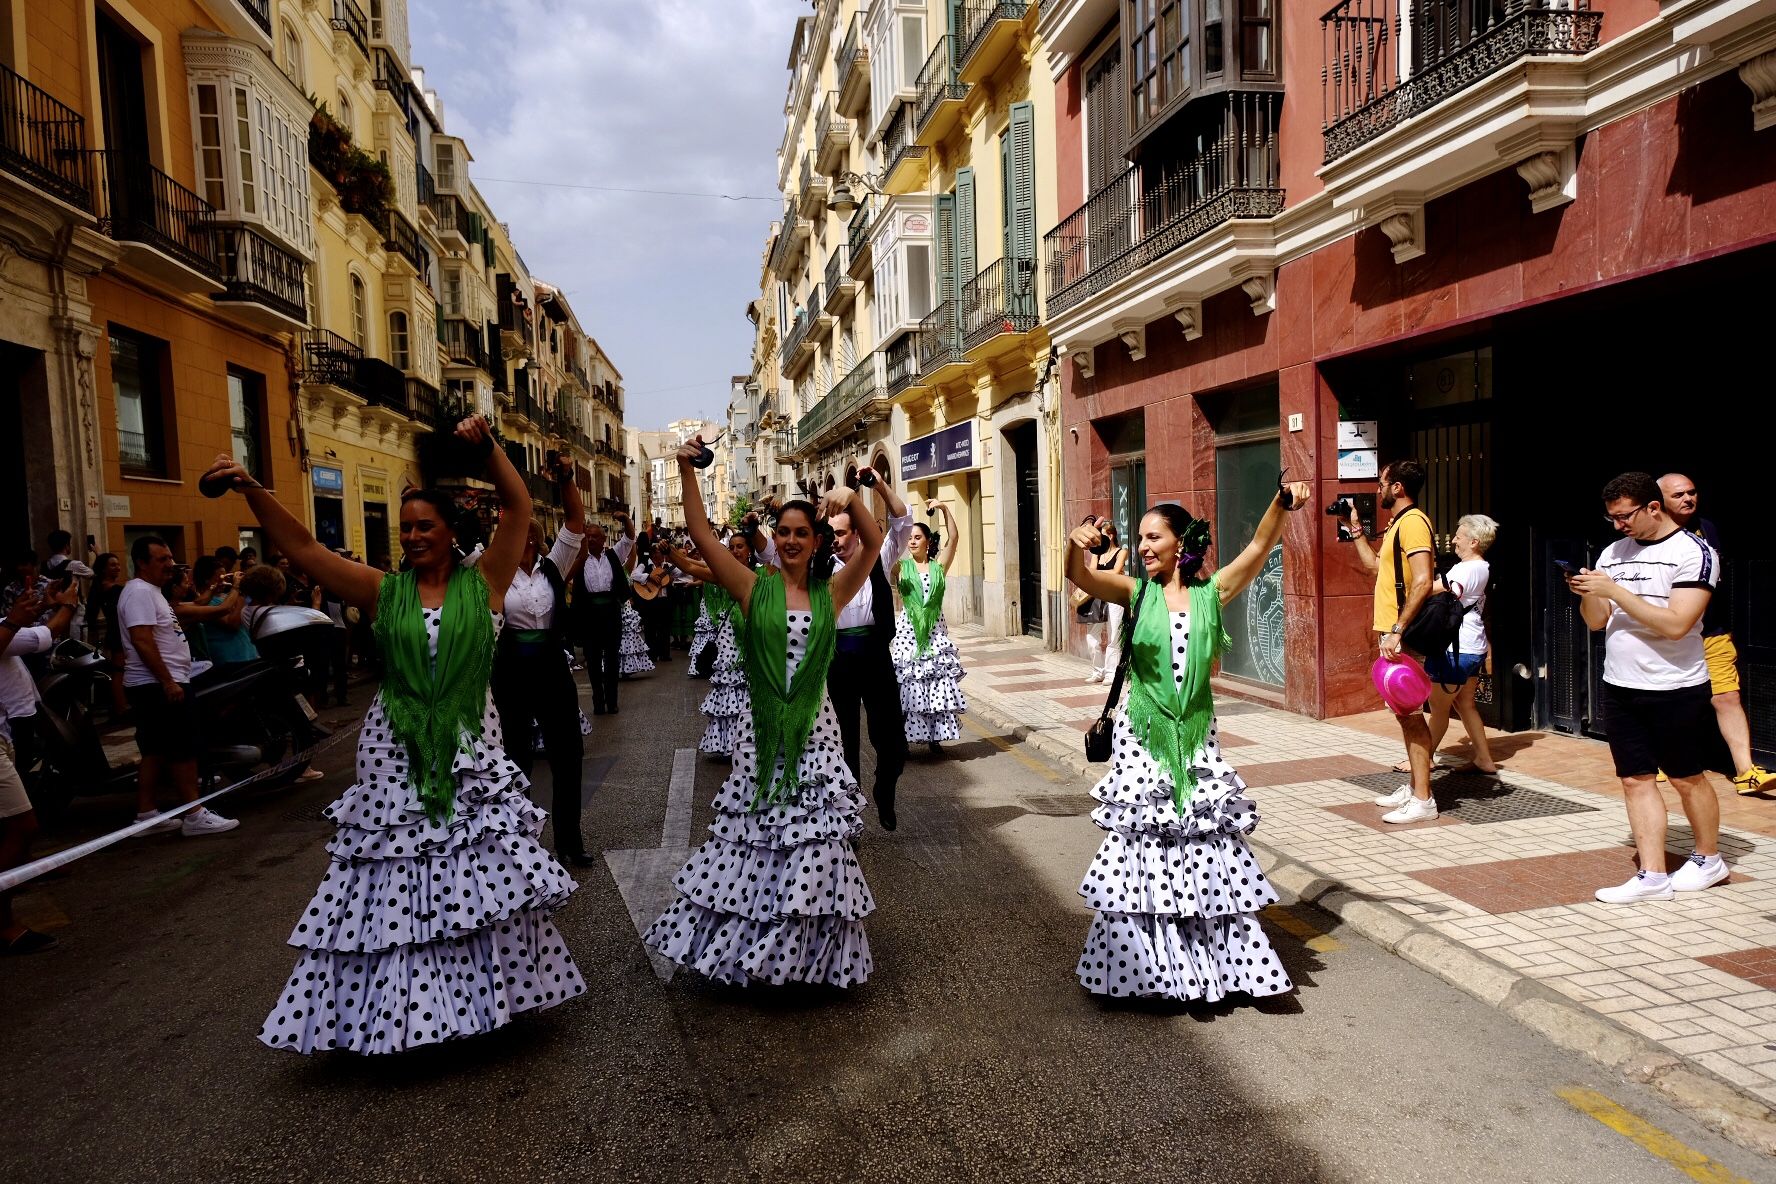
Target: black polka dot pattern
<point x="777" y="895"/>
<point x="1175" y="893"/>
<point x="426" y="931"/>
<point x="632" y="650"/>
<point x="930" y="698"/>
<point x="702" y="632"/>
<point x="727" y="701"/>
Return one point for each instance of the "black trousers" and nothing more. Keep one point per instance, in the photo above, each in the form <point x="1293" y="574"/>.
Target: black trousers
<point x="656" y="625"/>
<point x="534" y="683"/>
<point x="603" y="624"/>
<point x="864" y="679"/>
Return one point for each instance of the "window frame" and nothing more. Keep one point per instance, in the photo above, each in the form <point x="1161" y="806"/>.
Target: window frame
<point x="154" y="396"/>
<point x="251" y="384"/>
<point x="1194" y="78"/>
<point x="360" y="311"/>
<point x="400" y="340"/>
<point x="291" y="42"/>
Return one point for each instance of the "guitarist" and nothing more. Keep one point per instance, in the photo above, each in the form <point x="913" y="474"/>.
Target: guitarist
<point x="601" y="585"/>
<point x="652" y="596"/>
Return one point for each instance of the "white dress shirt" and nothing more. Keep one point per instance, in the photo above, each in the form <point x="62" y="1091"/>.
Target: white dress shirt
<point x="597" y="572"/>
<point x="530" y="601"/>
<point x="18" y="693"/>
<point x="860" y="612"/>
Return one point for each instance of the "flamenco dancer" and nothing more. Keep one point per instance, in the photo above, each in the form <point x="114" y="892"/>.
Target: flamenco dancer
<point x="413" y="936"/>
<point x="1174" y="885"/>
<point x="636" y="656"/>
<point x="727" y="701"/>
<point x="926" y="662"/>
<point x="776" y="894"/>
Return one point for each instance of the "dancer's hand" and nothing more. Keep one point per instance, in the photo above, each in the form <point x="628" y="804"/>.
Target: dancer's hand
<point x="226" y="468"/>
<point x="1087" y="536"/>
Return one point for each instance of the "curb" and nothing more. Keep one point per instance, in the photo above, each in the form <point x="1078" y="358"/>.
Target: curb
<point x="1717" y="1104"/>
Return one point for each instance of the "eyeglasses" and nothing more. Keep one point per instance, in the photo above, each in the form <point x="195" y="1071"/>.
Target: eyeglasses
<point x="1624" y="519"/>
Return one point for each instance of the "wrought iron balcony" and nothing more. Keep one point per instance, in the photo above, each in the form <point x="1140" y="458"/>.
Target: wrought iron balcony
<point x="900" y="364"/>
<point x="1453" y="45"/>
<point x="331" y="360"/>
<point x="1000" y="300"/>
<point x="841" y="289"/>
<point x="940" y="340"/>
<point x="42" y="142"/>
<point x="422" y="402"/>
<point x="852" y="397"/>
<point x="383" y="386"/>
<point x="608" y="452"/>
<point x="791" y="238"/>
<point x="986" y="29"/>
<point x="851" y="64"/>
<point x="399" y="236"/>
<point x="137" y="203"/>
<point x="904" y="155"/>
<point x="256" y="270"/>
<point x="822" y="317"/>
<point x="940" y="94"/>
<point x="1153" y="209"/>
<point x="454" y="216"/>
<point x="832" y="136"/>
<point x="812" y="195"/>
<point x="465" y="343"/>
<point x="259" y="11"/>
<point x="791" y="355"/>
<point x="426" y="187"/>
<point x="348" y="19"/>
<point x="857" y="238"/>
<point x="392" y="79"/>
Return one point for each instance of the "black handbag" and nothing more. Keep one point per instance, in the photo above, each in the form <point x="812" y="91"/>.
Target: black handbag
<point x="1437" y="624"/>
<point x="1099" y="736"/>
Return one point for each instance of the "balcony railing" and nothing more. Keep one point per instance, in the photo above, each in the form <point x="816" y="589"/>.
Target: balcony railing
<point x="348" y="18"/>
<point x="259" y="271"/>
<point x="465" y="343"/>
<point x="851" y="66"/>
<point x="399" y="236"/>
<point x="857" y="235"/>
<point x="42" y="142"/>
<point x="259" y="10"/>
<point x="900" y="365"/>
<point x="426" y="187"/>
<point x="608" y="451"/>
<point x="392" y="78"/>
<point x="792" y="340"/>
<point x="422" y="402"/>
<point x="977" y="20"/>
<point x="330" y="359"/>
<point x="832" y="134"/>
<point x="1150" y="211"/>
<point x="899" y="139"/>
<point x="1001" y="299"/>
<point x="383" y="386"/>
<point x="1453" y="44"/>
<point x="138" y="203"/>
<point x="937" y="81"/>
<point x="940" y="340"/>
<point x="793" y="233"/>
<point x="835" y="271"/>
<point x="453" y="214"/>
<point x="850" y="395"/>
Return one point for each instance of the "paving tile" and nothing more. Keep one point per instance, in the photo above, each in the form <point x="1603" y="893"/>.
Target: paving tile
<point x="1024" y="688"/>
<point x="1539" y="882"/>
<point x="1258" y="776"/>
<point x="1369" y="814"/>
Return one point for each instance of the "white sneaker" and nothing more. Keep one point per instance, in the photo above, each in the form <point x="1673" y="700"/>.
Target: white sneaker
<point x="1637" y="889"/>
<point x="1398" y="798"/>
<point x="1415" y="810"/>
<point x="1096" y="676"/>
<point x="310" y="774"/>
<point x="162" y="827"/>
<point x="207" y="822"/>
<point x="1698" y="873"/>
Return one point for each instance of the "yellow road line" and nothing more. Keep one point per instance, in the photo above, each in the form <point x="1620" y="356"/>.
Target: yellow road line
<point x="1650" y="1138"/>
<point x="1015" y="750"/>
<point x="1294" y="926"/>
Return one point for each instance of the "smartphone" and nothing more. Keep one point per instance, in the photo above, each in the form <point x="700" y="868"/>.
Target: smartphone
<point x="1567" y="566"/>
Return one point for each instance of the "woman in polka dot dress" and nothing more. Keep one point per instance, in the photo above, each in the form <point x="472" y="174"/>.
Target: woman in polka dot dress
<point x="1174" y="885"/>
<point x="432" y="922"/>
<point x="926" y="662"/>
<point x="727" y="702"/>
<point x="776" y="894"/>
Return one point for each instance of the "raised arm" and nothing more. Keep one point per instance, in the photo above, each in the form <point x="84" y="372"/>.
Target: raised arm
<point x="571" y="501"/>
<point x="506" y="547"/>
<point x="726" y="570"/>
<point x="1112" y="587"/>
<point x="352" y="582"/>
<point x="948" y="554"/>
<point x="684" y="562"/>
<point x="855" y="574"/>
<point x="1237" y="576"/>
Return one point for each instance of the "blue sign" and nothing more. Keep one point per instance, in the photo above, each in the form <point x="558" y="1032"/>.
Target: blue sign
<point x="948" y="451"/>
<point x="328" y="480"/>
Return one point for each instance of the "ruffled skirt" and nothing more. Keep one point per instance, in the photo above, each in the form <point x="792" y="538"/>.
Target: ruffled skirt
<point x="1176" y="894"/>
<point x="930" y="692"/>
<point x="727" y="701"/>
<point x="632" y="650"/>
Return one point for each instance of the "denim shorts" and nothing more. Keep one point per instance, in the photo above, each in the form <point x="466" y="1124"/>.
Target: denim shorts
<point x="1450" y="669"/>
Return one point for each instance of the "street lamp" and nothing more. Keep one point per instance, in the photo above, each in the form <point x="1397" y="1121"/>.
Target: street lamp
<point x="842" y="202"/>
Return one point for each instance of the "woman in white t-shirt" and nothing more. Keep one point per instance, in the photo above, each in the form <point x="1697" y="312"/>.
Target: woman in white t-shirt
<point x="1455" y="673"/>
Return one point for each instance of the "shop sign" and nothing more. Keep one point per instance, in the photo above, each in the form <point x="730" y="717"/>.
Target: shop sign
<point x="1358" y="444"/>
<point x="117" y="505"/>
<point x="951" y="450"/>
<point x="329" y="480"/>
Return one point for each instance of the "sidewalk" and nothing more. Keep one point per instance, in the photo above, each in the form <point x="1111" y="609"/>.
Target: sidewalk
<point x="1495" y="894"/>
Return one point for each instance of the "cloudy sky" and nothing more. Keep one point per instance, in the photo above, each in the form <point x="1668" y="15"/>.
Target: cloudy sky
<point x="680" y="95"/>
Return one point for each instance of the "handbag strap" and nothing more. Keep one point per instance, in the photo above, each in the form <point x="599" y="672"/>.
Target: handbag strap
<point x="1122" y="665"/>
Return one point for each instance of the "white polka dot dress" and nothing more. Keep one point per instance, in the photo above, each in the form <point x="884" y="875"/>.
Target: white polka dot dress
<point x="702" y="633"/>
<point x="727" y="702"/>
<point x="930" y="696"/>
<point x="1176" y="896"/>
<point x="425" y="931"/>
<point x="776" y="895"/>
<point x="632" y="649"/>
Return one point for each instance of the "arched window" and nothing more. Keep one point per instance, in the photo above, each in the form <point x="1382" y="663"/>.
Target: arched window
<point x="292" y="44"/>
<point x="399" y="354"/>
<point x="345" y="114"/>
<point x="360" y="313"/>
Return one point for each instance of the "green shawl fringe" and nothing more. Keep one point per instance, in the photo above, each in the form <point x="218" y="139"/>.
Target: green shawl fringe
<point x="922" y="611"/>
<point x="1172" y="721"/>
<point x="783" y="716"/>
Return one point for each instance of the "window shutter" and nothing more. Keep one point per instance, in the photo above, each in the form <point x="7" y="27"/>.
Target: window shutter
<point x="945" y="208"/>
<point x="1022" y="215"/>
<point x="966" y="256"/>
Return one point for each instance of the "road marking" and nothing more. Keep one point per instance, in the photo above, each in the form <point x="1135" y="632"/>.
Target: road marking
<point x="1015" y="750"/>
<point x="644" y="876"/>
<point x="1294" y="926"/>
<point x="1650" y="1138"/>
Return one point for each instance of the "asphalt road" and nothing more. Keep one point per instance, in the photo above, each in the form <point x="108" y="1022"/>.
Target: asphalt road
<point x="971" y="1054"/>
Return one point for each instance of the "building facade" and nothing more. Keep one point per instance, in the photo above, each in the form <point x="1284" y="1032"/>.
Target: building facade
<point x="1311" y="240"/>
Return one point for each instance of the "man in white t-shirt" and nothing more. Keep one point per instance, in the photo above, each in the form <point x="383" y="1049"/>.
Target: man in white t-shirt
<point x="1648" y="593"/>
<point x="157" y="682"/>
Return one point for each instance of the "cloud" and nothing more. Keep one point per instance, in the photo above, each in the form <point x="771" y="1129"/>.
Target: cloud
<point x="649" y="94"/>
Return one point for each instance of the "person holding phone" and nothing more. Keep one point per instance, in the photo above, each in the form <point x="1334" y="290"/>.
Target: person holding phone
<point x="1103" y="621"/>
<point x="433" y="920"/>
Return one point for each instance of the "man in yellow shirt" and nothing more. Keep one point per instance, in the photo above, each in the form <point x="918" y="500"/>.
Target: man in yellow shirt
<point x="1404" y="573"/>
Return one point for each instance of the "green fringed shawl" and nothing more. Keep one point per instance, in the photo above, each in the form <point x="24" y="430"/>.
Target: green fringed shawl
<point x="1171" y="721"/>
<point x="716" y="599"/>
<point x="922" y="611"/>
<point x="435" y="708"/>
<point x="783" y="716"/>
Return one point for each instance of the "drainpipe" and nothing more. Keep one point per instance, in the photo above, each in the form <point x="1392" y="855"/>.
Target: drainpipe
<point x="1048" y="387"/>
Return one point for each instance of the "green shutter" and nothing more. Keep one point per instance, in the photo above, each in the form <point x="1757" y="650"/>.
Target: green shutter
<point x="945" y="235"/>
<point x="966" y="257"/>
<point x="956" y="20"/>
<point x="1021" y="215"/>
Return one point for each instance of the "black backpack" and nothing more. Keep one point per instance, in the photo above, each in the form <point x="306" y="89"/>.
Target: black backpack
<point x="1437" y="625"/>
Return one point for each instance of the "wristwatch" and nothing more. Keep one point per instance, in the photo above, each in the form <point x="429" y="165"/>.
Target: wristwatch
<point x="1396" y="628"/>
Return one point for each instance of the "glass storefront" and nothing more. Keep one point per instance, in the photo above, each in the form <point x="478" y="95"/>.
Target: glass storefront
<point x="1247" y="457"/>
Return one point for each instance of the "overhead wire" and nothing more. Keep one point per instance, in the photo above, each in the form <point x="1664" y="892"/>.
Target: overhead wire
<point x="625" y="189"/>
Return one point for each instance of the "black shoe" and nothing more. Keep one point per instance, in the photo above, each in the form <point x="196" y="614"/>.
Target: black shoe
<point x="885" y="814"/>
<point x="613" y="709"/>
<point x="580" y="860"/>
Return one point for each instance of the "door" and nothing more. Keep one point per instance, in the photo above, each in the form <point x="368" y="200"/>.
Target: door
<point x="330" y="522"/>
<point x="15" y="522"/>
<point x="1570" y="656"/>
<point x="1248" y="451"/>
<point x="1128" y="499"/>
<point x="1029" y="528"/>
<point x="125" y="111"/>
<point x="376" y="535"/>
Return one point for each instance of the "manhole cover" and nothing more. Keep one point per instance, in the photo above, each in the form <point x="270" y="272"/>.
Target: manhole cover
<point x="1479" y="800"/>
<point x="1058" y="805"/>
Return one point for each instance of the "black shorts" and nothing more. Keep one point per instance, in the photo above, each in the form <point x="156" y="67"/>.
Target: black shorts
<point x="1651" y="731"/>
<point x="163" y="728"/>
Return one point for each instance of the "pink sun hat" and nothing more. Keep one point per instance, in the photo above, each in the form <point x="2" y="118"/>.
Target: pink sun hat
<point x="1402" y="683"/>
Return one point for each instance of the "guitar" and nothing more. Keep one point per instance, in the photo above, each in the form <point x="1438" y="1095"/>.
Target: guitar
<point x="655" y="584"/>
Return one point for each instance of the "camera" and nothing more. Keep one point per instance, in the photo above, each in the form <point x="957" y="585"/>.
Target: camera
<point x="1340" y="508"/>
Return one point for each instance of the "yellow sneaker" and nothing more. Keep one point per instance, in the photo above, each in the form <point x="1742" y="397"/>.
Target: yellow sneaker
<point x="1753" y="781"/>
<point x="1660" y="776"/>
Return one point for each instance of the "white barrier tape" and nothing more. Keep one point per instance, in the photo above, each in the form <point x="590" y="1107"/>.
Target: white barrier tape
<point x="49" y="863"/>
